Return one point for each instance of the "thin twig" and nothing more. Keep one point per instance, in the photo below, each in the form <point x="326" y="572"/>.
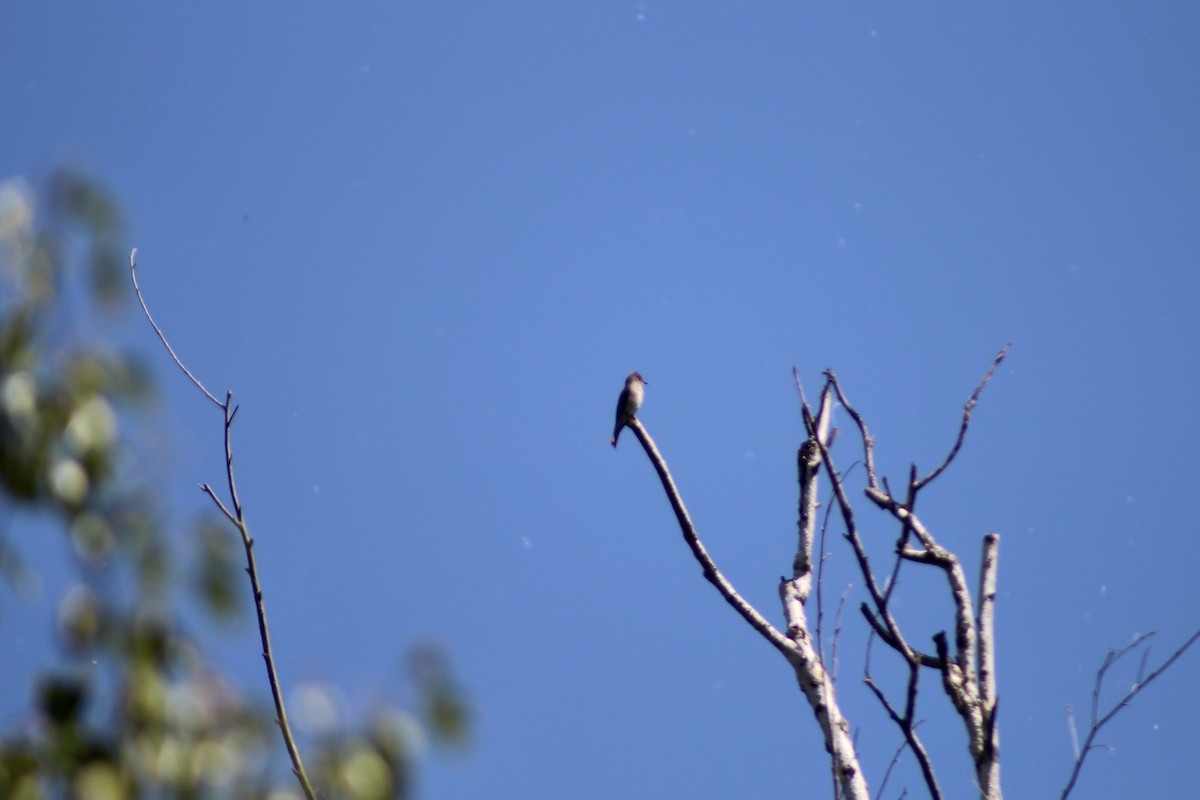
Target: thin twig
<point x="867" y="439"/>
<point x="907" y="721"/>
<point x="831" y="673"/>
<point x="208" y="490"/>
<point x="905" y="533"/>
<point x="885" y="624"/>
<point x="237" y="518"/>
<point x="837" y="634"/>
<point x="887" y="774"/>
<point x="1073" y="729"/>
<point x="909" y="729"/>
<point x="899" y="645"/>
<point x="963" y="669"/>
<point x="888" y="627"/>
<point x="966" y="417"/>
<point x="1098" y="722"/>
<point x="848" y="519"/>
<point x="162" y="338"/>
<point x="821" y="558"/>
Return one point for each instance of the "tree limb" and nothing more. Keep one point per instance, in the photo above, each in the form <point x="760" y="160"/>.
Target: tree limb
<point x="238" y="519"/>
<point x="1098" y="722"/>
<point x="798" y="646"/>
<point x="966" y="417"/>
<point x="987" y="761"/>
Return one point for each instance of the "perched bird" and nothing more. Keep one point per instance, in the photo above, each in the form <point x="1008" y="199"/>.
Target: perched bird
<point x="629" y="402"/>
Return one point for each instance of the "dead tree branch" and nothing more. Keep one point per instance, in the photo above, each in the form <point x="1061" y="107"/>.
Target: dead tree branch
<point x="968" y="672"/>
<point x="236" y="516"/>
<point x="965" y="663"/>
<point x="1098" y="720"/>
<point x="798" y="646"/>
<point x="966" y="417"/>
<point x="907" y="724"/>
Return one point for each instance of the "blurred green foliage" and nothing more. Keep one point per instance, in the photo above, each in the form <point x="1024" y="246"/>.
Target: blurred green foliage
<point x="156" y="719"/>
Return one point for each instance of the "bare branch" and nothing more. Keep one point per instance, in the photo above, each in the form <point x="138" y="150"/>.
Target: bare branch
<point x="1073" y="730"/>
<point x="848" y="519"/>
<point x="884" y="624"/>
<point x="987" y="764"/>
<point x="821" y="557"/>
<point x="909" y="729"/>
<point x="208" y="490"/>
<point x="963" y="669"/>
<point x="899" y="645"/>
<point x="230" y="411"/>
<point x="711" y="573"/>
<point x="797" y="646"/>
<point x="837" y="635"/>
<point x="966" y="418"/>
<point x="939" y="556"/>
<point x="887" y="774"/>
<point x="238" y="519"/>
<point x="162" y="338"/>
<point x="905" y="533"/>
<point x="987" y="618"/>
<point x="907" y="721"/>
<point x="1098" y="722"/>
<point x="867" y="439"/>
<point x="808" y="466"/>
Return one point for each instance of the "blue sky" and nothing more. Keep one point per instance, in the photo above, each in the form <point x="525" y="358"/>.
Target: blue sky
<point x="424" y="244"/>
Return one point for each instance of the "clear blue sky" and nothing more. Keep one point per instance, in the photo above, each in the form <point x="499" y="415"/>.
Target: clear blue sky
<point x="424" y="243"/>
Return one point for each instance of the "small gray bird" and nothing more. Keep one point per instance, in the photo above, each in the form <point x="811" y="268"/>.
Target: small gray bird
<point x="629" y="402"/>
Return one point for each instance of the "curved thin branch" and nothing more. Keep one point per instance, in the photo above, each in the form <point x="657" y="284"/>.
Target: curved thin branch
<point x="899" y="645"/>
<point x="711" y="573"/>
<point x="161" y="337"/>
<point x="887" y="773"/>
<point x="867" y="439"/>
<point x="966" y="417"/>
<point x="821" y="592"/>
<point x="238" y="518"/>
<point x="1098" y="721"/>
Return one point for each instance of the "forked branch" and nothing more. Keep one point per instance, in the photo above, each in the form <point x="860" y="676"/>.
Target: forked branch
<point x="965" y="658"/>
<point x="798" y="646"/>
<point x="1098" y="719"/>
<point x="236" y="516"/>
<point x="967" y="668"/>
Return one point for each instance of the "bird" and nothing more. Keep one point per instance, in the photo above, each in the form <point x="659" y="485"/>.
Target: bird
<point x="629" y="402"/>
